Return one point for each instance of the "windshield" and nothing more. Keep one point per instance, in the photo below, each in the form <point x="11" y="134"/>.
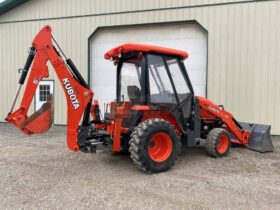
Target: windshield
<point x="161" y="90"/>
<point x="178" y="78"/>
<point x="130" y="87"/>
<point x="160" y="86"/>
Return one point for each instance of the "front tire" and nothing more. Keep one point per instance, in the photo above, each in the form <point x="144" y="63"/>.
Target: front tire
<point x="218" y="143"/>
<point x="154" y="145"/>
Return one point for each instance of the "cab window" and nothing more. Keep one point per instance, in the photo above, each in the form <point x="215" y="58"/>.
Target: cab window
<point x="178" y="78"/>
<point x="130" y="77"/>
<point x="161" y="90"/>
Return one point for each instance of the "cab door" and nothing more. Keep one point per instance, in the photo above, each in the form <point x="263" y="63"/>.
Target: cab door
<point x="182" y="85"/>
<point x="168" y="84"/>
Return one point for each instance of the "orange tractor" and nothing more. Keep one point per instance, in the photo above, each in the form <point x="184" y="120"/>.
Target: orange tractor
<point x="155" y="113"/>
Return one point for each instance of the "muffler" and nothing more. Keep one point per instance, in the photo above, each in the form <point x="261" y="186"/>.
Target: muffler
<point x="260" y="139"/>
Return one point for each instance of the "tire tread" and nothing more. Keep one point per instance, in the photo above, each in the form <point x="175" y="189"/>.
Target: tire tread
<point x="139" y="138"/>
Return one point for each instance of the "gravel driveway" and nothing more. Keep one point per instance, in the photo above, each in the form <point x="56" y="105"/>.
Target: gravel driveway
<point x="39" y="172"/>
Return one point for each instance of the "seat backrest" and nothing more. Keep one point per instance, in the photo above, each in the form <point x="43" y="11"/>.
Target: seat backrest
<point x="134" y="94"/>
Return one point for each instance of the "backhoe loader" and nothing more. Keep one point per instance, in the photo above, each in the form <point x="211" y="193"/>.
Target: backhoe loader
<point x="154" y="116"/>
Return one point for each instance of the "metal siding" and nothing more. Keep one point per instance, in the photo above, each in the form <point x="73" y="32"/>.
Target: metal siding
<point x="34" y="9"/>
<point x="243" y="47"/>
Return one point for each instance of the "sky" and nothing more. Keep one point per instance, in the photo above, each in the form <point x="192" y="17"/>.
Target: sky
<point x="1" y="1"/>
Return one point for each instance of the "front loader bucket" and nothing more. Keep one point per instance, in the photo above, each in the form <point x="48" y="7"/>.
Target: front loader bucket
<point x="260" y="137"/>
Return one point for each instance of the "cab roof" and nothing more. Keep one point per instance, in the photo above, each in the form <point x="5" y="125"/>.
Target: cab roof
<point x="132" y="47"/>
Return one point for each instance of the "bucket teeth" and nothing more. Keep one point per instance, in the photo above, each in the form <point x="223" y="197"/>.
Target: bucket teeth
<point x="260" y="139"/>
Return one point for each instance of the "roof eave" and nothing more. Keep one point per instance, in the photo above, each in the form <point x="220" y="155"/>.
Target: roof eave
<point x="7" y="5"/>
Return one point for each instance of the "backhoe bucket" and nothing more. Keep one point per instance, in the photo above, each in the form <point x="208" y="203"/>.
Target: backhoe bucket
<point x="260" y="139"/>
<point x="40" y="121"/>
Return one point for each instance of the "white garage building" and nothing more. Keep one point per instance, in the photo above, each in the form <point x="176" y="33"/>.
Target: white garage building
<point x="233" y="47"/>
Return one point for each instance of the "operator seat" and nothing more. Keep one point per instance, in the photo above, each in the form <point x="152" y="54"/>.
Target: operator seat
<point x="134" y="93"/>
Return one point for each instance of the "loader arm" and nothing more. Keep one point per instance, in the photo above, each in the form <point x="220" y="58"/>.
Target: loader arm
<point x="77" y="92"/>
<point x="210" y="109"/>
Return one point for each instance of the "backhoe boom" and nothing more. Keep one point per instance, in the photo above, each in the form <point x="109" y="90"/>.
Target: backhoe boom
<point x="76" y="90"/>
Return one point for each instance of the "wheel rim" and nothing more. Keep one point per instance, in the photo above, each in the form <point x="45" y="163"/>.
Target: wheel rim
<point x="160" y="147"/>
<point x="222" y="144"/>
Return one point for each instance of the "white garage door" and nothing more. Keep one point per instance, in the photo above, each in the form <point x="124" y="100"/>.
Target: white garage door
<point x="186" y="37"/>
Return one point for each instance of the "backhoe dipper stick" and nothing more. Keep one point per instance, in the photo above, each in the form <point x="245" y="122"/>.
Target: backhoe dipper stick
<point x="77" y="95"/>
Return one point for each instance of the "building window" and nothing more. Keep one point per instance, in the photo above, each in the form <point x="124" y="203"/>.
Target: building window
<point x="44" y="92"/>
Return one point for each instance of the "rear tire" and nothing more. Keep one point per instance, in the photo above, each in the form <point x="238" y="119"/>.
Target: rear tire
<point x="154" y="145"/>
<point x="218" y="143"/>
